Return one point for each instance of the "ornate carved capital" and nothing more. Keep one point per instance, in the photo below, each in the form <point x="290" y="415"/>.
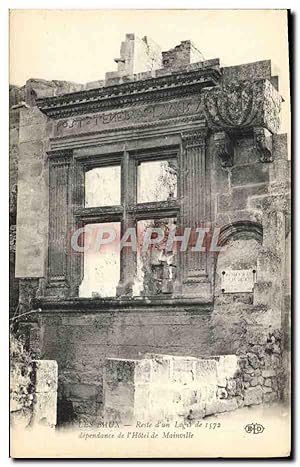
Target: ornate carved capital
<point x="263" y="144"/>
<point x="194" y="138"/>
<point x="60" y="153"/>
<point x="223" y="147"/>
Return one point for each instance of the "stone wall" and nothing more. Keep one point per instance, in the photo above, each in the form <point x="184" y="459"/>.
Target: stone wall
<point x="33" y="389"/>
<point x="13" y="190"/>
<point x="32" y="215"/>
<point x="159" y="387"/>
<point x="164" y="387"/>
<point x="181" y="55"/>
<point x="81" y="342"/>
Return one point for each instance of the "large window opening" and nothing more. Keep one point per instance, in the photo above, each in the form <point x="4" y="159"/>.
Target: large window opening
<point x="156" y="264"/>
<point x="103" y="186"/>
<point x="136" y="192"/>
<point x="157" y="181"/>
<point x="101" y="263"/>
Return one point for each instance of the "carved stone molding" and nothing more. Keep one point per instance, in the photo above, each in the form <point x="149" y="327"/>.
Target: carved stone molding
<point x="241" y="105"/>
<point x="61" y="156"/>
<point x="129" y="94"/>
<point x="236" y="229"/>
<point x="263" y="144"/>
<point x="224" y="149"/>
<point x="194" y="138"/>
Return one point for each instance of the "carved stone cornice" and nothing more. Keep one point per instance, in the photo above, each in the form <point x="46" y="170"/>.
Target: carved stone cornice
<point x="263" y="144"/>
<point x="194" y="138"/>
<point x="242" y="105"/>
<point x="129" y="94"/>
<point x="223" y="148"/>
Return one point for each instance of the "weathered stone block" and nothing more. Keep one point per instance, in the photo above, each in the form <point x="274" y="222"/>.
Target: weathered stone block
<point x="231" y="387"/>
<point x="238" y="198"/>
<point x="230" y="202"/>
<point x="226" y="367"/>
<point x="268" y="373"/>
<point x="253" y="360"/>
<point x="20" y="418"/>
<point x="206" y="371"/>
<point x="219" y="406"/>
<point x="258" y="350"/>
<point x="132" y="335"/>
<point x="246" y="377"/>
<point x="250" y="175"/>
<point x="183" y="370"/>
<point x="280" y="146"/>
<point x="254" y="381"/>
<point x="119" y="395"/>
<point x="84" y="407"/>
<point x="117" y="370"/>
<point x="260" y="380"/>
<point x="142" y="402"/>
<point x="178" y="384"/>
<point x="143" y="372"/>
<point x="244" y="152"/>
<point x="222" y="393"/>
<point x="270" y="397"/>
<point x="78" y="391"/>
<point x="44" y="375"/>
<point x="161" y="369"/>
<point x="126" y="388"/>
<point x="253" y="396"/>
<point x="268" y="382"/>
<point x="267" y="389"/>
<point x="44" y="408"/>
<point x="248" y="71"/>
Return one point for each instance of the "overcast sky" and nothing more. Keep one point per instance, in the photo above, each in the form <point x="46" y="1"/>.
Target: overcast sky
<point x="80" y="45"/>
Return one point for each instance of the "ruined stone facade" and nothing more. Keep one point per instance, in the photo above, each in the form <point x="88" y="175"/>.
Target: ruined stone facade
<point x="221" y="127"/>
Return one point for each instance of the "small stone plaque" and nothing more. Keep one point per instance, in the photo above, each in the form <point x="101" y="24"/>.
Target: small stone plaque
<point x="238" y="280"/>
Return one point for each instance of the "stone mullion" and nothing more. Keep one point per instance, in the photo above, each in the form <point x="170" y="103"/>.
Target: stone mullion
<point x="77" y="197"/>
<point x="202" y="214"/>
<point x="128" y="257"/>
<point x="184" y="181"/>
<point x="195" y="200"/>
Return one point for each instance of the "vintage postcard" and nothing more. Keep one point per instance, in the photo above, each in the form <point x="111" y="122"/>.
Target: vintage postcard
<point x="150" y="234"/>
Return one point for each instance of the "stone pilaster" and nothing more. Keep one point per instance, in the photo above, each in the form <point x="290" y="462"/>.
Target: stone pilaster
<point x="193" y="211"/>
<point x="59" y="195"/>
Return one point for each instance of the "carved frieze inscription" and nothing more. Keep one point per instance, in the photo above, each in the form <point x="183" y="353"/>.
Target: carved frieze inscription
<point x="123" y="118"/>
<point x="239" y="280"/>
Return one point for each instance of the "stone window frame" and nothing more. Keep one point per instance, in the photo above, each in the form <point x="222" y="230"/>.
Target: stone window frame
<point x="129" y="212"/>
<point x="67" y="212"/>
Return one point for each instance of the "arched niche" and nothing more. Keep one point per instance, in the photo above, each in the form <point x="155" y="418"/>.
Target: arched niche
<point x="241" y="244"/>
